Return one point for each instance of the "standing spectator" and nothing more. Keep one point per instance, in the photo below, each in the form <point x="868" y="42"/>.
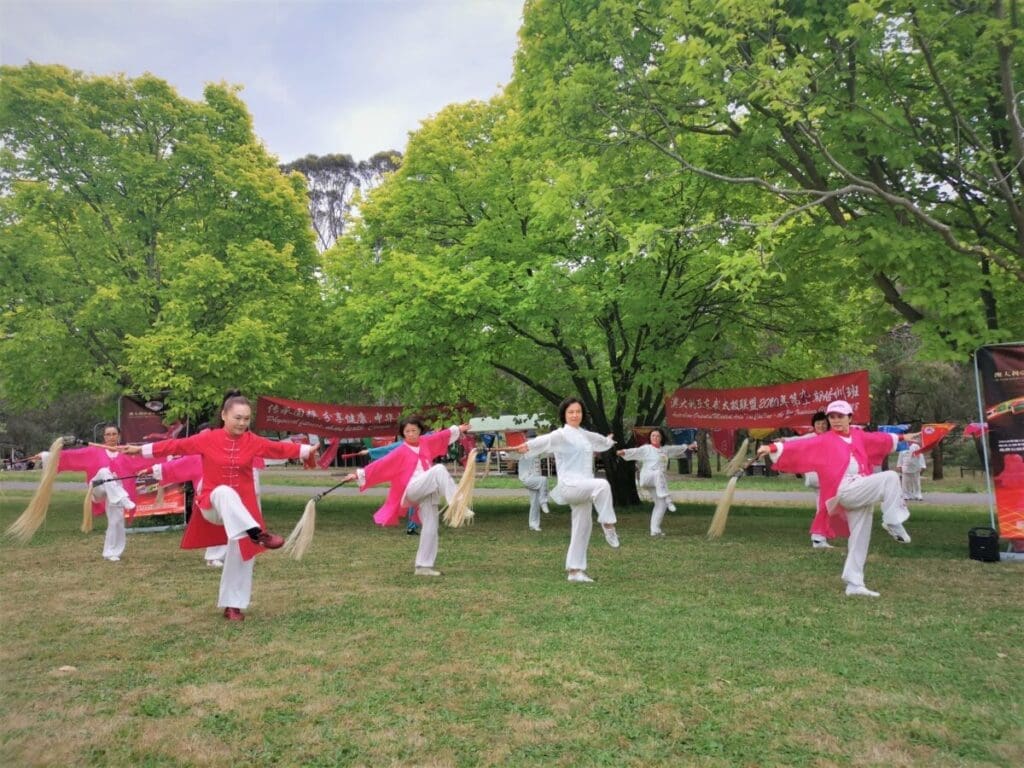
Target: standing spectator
<point x="910" y="465"/>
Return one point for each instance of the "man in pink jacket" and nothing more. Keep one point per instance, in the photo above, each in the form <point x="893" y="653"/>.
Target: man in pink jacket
<point x="843" y="459"/>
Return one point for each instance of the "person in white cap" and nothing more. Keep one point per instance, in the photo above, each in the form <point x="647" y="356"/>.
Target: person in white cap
<point x="843" y="459"/>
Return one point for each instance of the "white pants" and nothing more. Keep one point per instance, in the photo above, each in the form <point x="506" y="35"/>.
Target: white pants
<point x="216" y="553"/>
<point x="911" y="485"/>
<point x="858" y="496"/>
<point x="580" y="494"/>
<point x="537" y="485"/>
<point x="236" y="578"/>
<point x="424" y="491"/>
<point x="116" y="496"/>
<point x="656" y="484"/>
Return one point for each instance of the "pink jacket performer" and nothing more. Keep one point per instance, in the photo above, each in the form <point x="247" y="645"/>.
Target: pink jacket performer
<point x="829" y="456"/>
<point x="398" y="468"/>
<point x="91" y="459"/>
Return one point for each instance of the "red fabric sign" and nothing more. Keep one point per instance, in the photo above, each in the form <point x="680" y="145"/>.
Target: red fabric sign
<point x="778" y="405"/>
<point x="350" y="422"/>
<point x="724" y="441"/>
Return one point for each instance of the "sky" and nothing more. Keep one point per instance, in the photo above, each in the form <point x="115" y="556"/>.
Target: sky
<point x="319" y="76"/>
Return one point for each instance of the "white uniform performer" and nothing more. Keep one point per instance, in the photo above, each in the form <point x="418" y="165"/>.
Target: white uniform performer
<point x="653" y="463"/>
<point x="117" y="503"/>
<point x="536" y="483"/>
<point x="911" y="464"/>
<point x="574" y="450"/>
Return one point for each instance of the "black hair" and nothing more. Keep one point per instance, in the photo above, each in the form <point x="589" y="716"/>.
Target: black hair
<point x="406" y="422"/>
<point x="665" y="439"/>
<point x="217" y="422"/>
<point x="564" y="406"/>
<point x="110" y="424"/>
<point x="819" y="416"/>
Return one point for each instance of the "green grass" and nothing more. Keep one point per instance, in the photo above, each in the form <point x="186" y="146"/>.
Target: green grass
<point x="738" y="652"/>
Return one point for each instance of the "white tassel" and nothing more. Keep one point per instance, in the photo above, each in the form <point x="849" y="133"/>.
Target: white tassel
<point x="458" y="512"/>
<point x="302" y="535"/>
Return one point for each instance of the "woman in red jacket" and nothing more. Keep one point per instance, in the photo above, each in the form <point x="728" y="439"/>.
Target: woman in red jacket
<point x="229" y="509"/>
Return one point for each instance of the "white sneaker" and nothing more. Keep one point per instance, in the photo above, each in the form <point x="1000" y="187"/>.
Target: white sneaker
<point x="113" y="558"/>
<point x="580" y="578"/>
<point x="611" y="537"/>
<point x="657" y="534"/>
<point x="670" y="507"/>
<point x="422" y="570"/>
<point x="859" y="590"/>
<point x="535" y="528"/>
<point x="544" y="508"/>
<point x="820" y="542"/>
<point x="215" y="563"/>
<point x="897" y="531"/>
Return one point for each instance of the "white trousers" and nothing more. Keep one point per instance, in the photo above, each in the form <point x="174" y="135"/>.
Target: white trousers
<point x="656" y="484"/>
<point x="424" y="491"/>
<point x="116" y="496"/>
<point x="911" y="485"/>
<point x="236" y="578"/>
<point x="218" y="552"/>
<point x="858" y="496"/>
<point x="537" y="485"/>
<point x="580" y="494"/>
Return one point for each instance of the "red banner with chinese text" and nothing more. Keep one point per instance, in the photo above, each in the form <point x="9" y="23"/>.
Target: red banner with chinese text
<point x="778" y="405"/>
<point x="1001" y="376"/>
<point x="350" y="422"/>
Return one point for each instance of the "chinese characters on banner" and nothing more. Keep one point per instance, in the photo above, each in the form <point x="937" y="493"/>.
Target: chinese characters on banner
<point x="350" y="422"/>
<point x="1000" y="370"/>
<point x="778" y="405"/>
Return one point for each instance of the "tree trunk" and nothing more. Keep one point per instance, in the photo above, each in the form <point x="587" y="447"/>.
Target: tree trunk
<point x="937" y="464"/>
<point x="703" y="458"/>
<point x="621" y="476"/>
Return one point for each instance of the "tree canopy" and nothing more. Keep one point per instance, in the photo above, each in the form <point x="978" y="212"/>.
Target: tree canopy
<point x="149" y="243"/>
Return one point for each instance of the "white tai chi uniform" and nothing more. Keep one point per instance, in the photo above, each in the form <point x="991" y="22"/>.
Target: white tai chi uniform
<point x="536" y="483"/>
<point x="574" y="450"/>
<point x="117" y="502"/>
<point x="911" y="464"/>
<point x="653" y="463"/>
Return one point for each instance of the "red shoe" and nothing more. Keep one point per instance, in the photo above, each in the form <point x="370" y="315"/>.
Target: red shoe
<point x="269" y="540"/>
<point x="234" y="614"/>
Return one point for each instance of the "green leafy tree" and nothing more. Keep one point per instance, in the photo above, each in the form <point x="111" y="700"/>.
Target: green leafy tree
<point x="889" y="130"/>
<point x="502" y="259"/>
<point x="149" y="243"/>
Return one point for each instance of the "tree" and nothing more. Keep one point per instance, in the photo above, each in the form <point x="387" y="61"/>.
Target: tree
<point x="149" y="243"/>
<point x="333" y="181"/>
<point x="890" y="131"/>
<point x="498" y="259"/>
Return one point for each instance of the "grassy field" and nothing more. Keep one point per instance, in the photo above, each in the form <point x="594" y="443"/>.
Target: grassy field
<point x="741" y="652"/>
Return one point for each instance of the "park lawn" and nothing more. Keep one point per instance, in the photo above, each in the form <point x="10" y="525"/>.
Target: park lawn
<point x="738" y="652"/>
